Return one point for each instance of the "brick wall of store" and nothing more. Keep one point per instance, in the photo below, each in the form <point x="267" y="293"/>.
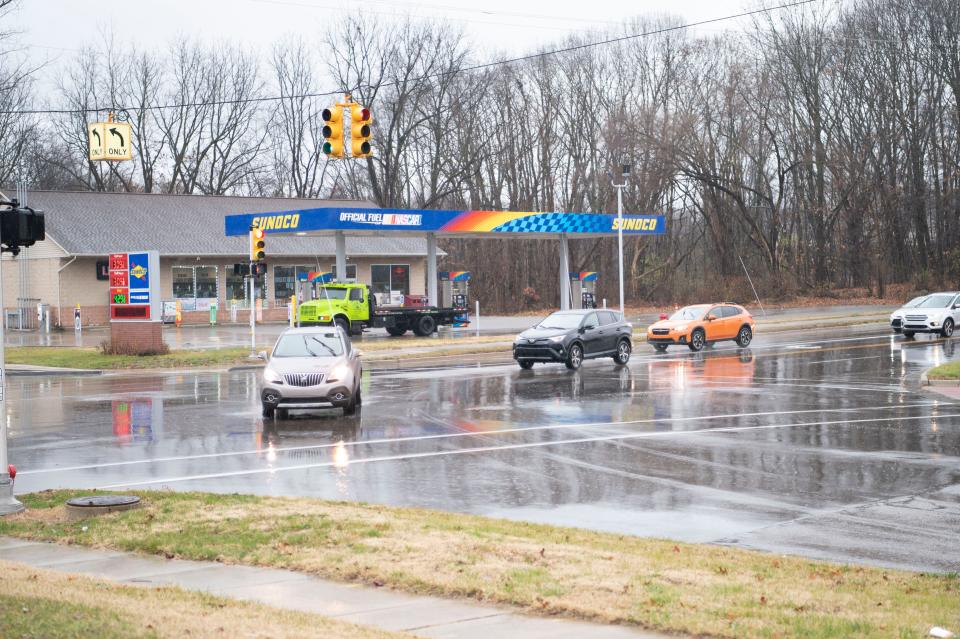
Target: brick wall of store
<point x="78" y="284"/>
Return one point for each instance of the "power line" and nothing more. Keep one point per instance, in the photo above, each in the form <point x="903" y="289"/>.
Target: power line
<point x="441" y="74"/>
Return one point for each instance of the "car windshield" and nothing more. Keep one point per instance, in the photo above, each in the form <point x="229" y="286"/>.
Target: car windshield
<point x="309" y="345"/>
<point x="689" y="313"/>
<point x="915" y="301"/>
<point x="330" y="293"/>
<point x="563" y="321"/>
<point x="941" y="300"/>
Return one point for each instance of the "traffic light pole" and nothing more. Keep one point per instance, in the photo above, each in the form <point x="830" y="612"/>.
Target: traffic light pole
<point x="8" y="503"/>
<point x="253" y="310"/>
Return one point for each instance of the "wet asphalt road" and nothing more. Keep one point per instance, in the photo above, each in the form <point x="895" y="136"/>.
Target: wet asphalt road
<point x="815" y="443"/>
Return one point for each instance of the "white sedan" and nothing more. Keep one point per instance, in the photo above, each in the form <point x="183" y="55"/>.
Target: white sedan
<point x="935" y="313"/>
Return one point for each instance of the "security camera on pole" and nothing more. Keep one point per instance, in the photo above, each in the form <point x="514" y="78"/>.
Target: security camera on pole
<point x="20" y="226"/>
<point x="625" y="174"/>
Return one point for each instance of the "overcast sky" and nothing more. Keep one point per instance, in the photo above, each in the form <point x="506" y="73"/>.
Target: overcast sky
<point x="53" y="29"/>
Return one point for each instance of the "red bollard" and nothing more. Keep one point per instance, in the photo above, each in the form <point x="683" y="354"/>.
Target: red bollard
<point x="12" y="470"/>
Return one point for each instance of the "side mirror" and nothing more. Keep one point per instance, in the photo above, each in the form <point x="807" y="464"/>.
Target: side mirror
<point x="711" y="317"/>
<point x="262" y="355"/>
<point x="357" y="353"/>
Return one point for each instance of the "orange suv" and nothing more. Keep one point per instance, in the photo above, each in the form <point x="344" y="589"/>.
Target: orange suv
<point x="702" y="324"/>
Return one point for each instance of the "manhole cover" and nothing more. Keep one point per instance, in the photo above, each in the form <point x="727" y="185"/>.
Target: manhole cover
<point x="103" y="501"/>
<point x="92" y="505"/>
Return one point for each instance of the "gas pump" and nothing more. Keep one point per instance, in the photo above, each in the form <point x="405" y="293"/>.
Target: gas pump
<point x="583" y="285"/>
<point x="454" y="289"/>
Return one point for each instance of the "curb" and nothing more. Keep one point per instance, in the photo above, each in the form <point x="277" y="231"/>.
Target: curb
<point x="245" y="367"/>
<point x="50" y="372"/>
<point x="926" y="381"/>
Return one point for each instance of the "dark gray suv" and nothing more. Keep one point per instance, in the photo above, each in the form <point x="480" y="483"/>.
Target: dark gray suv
<point x="573" y="336"/>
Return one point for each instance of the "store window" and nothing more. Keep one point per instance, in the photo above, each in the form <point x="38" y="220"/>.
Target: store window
<point x="236" y="287"/>
<point x="206" y="281"/>
<point x="285" y="280"/>
<point x="192" y="283"/>
<point x="351" y="272"/>
<point x="183" y="282"/>
<point x="385" y="278"/>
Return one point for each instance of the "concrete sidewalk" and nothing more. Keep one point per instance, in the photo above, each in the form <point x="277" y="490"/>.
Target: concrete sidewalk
<point x="380" y="608"/>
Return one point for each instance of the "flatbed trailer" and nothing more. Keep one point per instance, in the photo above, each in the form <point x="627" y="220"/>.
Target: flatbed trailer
<point x="353" y="307"/>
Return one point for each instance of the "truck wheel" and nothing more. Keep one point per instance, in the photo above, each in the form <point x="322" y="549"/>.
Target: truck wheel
<point x="425" y="326"/>
<point x="395" y="331"/>
<point x="343" y="323"/>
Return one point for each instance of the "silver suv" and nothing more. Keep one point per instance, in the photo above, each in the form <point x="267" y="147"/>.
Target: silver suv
<point x="314" y="367"/>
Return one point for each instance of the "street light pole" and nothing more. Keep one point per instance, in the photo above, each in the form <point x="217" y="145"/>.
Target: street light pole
<point x="624" y="173"/>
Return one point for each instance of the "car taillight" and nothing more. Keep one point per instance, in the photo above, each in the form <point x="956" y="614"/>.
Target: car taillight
<point x="663" y="316"/>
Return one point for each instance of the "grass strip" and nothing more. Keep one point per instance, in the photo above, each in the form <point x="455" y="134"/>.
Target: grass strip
<point x="658" y="584"/>
<point x="50" y="605"/>
<point x="950" y="370"/>
<point x="91" y="358"/>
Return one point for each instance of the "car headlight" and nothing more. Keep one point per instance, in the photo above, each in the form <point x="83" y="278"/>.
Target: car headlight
<point x="556" y="339"/>
<point x="681" y="328"/>
<point x="271" y="376"/>
<point x="338" y="373"/>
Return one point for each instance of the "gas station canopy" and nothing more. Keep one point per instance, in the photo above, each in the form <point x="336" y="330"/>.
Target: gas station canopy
<point x="433" y="224"/>
<point x="371" y="221"/>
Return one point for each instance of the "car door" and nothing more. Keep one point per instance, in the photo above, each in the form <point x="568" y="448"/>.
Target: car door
<point x="730" y="322"/>
<point x="356" y="303"/>
<point x="608" y="322"/>
<point x="592" y="334"/>
<point x="713" y="327"/>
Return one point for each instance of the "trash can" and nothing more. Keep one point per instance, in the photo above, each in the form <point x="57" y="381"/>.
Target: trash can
<point x="213" y="314"/>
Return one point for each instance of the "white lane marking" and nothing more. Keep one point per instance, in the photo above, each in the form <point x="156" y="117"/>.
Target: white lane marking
<point x="504" y="447"/>
<point x="415" y="438"/>
<point x="842" y="359"/>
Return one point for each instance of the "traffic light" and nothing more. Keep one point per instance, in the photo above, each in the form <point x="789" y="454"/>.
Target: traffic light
<point x="333" y="132"/>
<point x="360" y="131"/>
<point x="20" y="226"/>
<point x="257" y="245"/>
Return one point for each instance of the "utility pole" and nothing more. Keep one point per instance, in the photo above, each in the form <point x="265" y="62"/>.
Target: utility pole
<point x="625" y="175"/>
